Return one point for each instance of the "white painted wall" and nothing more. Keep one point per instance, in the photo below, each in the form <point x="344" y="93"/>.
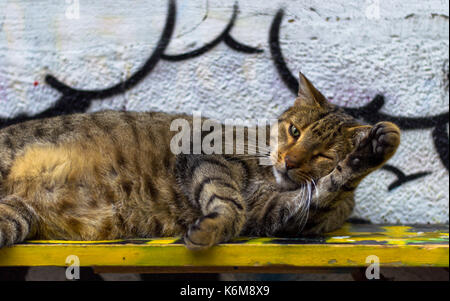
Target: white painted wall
<point x="351" y="50"/>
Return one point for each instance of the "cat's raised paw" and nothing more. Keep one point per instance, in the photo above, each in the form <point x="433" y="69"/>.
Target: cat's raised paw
<point x="378" y="147"/>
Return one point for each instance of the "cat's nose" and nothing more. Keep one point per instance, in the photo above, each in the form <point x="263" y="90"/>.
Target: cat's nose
<point x="290" y="163"/>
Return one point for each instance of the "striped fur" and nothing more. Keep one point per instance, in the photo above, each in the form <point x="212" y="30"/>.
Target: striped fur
<point x="110" y="175"/>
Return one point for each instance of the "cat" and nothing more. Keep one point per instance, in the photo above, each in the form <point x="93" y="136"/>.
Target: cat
<point x="111" y="175"/>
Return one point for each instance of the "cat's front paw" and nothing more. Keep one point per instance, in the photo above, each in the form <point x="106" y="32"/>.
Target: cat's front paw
<point x="375" y="149"/>
<point x="201" y="235"/>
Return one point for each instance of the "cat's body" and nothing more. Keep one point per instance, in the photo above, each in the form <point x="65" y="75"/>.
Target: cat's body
<point x="113" y="175"/>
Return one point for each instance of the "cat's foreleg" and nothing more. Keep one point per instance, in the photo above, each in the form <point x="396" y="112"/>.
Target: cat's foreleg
<point x="17" y="220"/>
<point x="274" y="209"/>
<point x="377" y="146"/>
<point x="214" y="186"/>
<point x="295" y="212"/>
<point x="333" y="200"/>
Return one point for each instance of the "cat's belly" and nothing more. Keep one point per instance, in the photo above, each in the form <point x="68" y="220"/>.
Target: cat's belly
<point x="83" y="193"/>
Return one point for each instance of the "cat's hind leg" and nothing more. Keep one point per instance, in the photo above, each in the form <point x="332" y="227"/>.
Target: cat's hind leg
<point x="17" y="220"/>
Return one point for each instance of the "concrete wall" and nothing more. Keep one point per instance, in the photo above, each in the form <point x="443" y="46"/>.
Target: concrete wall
<point x="382" y="60"/>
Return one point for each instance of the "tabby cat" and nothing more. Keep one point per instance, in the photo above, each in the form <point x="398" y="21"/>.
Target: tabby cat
<point x="110" y="175"/>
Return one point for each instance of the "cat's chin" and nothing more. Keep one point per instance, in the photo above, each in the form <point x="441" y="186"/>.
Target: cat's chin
<point x="284" y="181"/>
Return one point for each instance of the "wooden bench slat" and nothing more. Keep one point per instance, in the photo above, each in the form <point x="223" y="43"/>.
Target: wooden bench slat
<point x="395" y="246"/>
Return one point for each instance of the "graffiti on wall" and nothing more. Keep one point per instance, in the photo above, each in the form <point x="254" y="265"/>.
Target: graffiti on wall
<point x="77" y="100"/>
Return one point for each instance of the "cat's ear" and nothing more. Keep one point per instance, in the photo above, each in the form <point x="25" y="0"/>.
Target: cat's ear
<point x="308" y="95"/>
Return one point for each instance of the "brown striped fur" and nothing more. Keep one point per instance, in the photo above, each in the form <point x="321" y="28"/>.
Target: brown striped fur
<point x="111" y="175"/>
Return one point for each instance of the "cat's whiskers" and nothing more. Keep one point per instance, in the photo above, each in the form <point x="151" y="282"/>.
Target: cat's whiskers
<point x="309" y="203"/>
<point x="298" y="203"/>
<point x="304" y="214"/>
<point x="315" y="187"/>
<point x="305" y="198"/>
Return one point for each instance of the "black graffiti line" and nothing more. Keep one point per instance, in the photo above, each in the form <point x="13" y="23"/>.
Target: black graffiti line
<point x="136" y="77"/>
<point x="441" y="142"/>
<point x="370" y="112"/>
<point x="401" y="177"/>
<point x="277" y="56"/>
<point x="233" y="44"/>
<point x="77" y="100"/>
<point x="406" y="123"/>
<point x="224" y="36"/>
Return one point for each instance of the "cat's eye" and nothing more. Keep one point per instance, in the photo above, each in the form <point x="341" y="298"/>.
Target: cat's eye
<point x="323" y="156"/>
<point x="294" y="131"/>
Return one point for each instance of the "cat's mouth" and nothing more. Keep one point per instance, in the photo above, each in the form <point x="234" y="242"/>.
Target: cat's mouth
<point x="282" y="178"/>
<point x="291" y="181"/>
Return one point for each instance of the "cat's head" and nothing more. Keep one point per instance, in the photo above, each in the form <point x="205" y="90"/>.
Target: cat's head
<point x="313" y="136"/>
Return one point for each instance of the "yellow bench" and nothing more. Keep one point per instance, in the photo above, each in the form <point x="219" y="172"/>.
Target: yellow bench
<point x="351" y="246"/>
